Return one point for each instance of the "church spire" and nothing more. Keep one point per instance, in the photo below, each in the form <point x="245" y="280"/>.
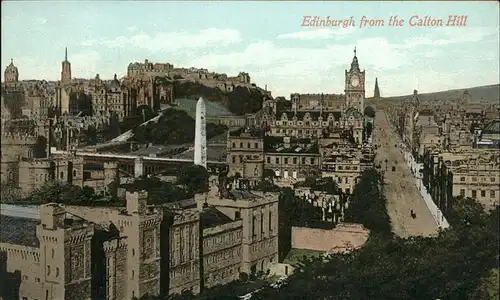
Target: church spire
<point x="66" y="53"/>
<point x="354" y="64"/>
<point x="376" y="92"/>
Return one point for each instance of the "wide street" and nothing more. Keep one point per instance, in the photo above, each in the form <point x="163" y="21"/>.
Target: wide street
<point x="400" y="190"/>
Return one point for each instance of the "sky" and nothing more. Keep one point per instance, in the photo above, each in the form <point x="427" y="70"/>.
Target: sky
<point x="265" y="39"/>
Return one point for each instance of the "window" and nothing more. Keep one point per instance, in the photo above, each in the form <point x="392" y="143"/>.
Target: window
<point x="248" y="145"/>
<point x="474" y="179"/>
<point x="303" y="160"/>
<point x="254" y="220"/>
<point x="233" y="159"/>
<point x="256" y="145"/>
<point x="462" y="178"/>
<point x="48" y="270"/>
<point x="61" y="175"/>
<point x="262" y="223"/>
<point x="492" y="179"/>
<point x="462" y="192"/>
<point x="53" y="253"/>
<point x="25" y="298"/>
<point x="286" y="160"/>
<point x="295" y="160"/>
<point x="133" y="252"/>
<point x="270" y="224"/>
<point x="37" y="280"/>
<point x="74" y="172"/>
<point x="237" y="215"/>
<point x="25" y="277"/>
<point x="492" y="194"/>
<point x="57" y="272"/>
<point x="483" y="193"/>
<point x="241" y="145"/>
<point x="234" y="145"/>
<point x="277" y="160"/>
<point x="133" y="274"/>
<point x="348" y="191"/>
<point x="268" y="160"/>
<point x="474" y="193"/>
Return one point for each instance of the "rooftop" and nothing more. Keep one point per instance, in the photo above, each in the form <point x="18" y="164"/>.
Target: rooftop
<point x="19" y="231"/>
<point x="212" y="217"/>
<point x="247" y="132"/>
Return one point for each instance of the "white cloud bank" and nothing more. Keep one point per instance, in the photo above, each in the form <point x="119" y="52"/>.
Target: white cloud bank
<point x="322" y="33"/>
<point x="286" y="69"/>
<point x="301" y="69"/>
<point x="173" y="41"/>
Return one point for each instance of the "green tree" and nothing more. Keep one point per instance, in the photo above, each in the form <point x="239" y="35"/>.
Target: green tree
<point x="62" y="193"/>
<point x="194" y="178"/>
<point x="367" y="204"/>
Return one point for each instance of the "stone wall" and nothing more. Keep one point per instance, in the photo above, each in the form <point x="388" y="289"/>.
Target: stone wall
<point x="345" y="237"/>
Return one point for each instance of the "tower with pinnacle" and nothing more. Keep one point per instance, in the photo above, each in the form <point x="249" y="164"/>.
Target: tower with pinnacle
<point x="355" y="86"/>
<point x="376" y="92"/>
<point x="66" y="69"/>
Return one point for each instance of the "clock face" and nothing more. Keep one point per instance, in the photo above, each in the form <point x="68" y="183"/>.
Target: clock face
<point x="354" y="81"/>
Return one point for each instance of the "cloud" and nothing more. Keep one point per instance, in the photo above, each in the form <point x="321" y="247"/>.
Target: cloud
<point x="132" y="29"/>
<point x="450" y="35"/>
<point x="174" y="41"/>
<point x="83" y="65"/>
<point x="318" y="34"/>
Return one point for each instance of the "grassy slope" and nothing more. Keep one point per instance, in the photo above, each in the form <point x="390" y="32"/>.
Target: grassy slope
<point x="214" y="109"/>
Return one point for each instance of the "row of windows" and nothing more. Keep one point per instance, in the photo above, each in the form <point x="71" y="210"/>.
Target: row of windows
<point x="249" y="145"/>
<point x="294" y="160"/>
<point x="474" y="193"/>
<point x="25" y="277"/>
<point x="269" y="225"/>
<point x="474" y="179"/>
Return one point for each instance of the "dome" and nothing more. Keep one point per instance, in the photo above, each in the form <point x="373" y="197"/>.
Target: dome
<point x="11" y="73"/>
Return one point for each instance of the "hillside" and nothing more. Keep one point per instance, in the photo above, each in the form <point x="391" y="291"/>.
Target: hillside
<point x="240" y="101"/>
<point x="488" y="92"/>
<point x="214" y="109"/>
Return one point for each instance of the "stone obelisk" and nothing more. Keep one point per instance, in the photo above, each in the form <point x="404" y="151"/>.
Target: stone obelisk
<point x="200" y="135"/>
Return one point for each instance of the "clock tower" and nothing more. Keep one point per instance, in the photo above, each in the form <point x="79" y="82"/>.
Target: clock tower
<point x="355" y="86"/>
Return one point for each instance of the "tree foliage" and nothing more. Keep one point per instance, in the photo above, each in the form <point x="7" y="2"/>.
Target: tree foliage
<point x="240" y="101"/>
<point x="454" y="265"/>
<point x="194" y="178"/>
<point x="159" y="192"/>
<point x="367" y="204"/>
<point x="62" y="193"/>
<point x="173" y="128"/>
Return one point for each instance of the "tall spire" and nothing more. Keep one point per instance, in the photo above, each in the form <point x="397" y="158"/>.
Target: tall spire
<point x="66" y="53"/>
<point x="354" y="64"/>
<point x="376" y="92"/>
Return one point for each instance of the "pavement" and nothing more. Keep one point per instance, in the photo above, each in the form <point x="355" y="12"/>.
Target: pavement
<point x="400" y="190"/>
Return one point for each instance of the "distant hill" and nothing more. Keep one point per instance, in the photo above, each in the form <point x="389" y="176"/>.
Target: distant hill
<point x="487" y="93"/>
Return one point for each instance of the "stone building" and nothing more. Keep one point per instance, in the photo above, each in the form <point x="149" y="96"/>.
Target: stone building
<point x="48" y="257"/>
<point x="472" y="173"/>
<point x="258" y="213"/>
<point x="78" y="252"/>
<point x="37" y="172"/>
<point x="345" y="166"/>
<point x="245" y="148"/>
